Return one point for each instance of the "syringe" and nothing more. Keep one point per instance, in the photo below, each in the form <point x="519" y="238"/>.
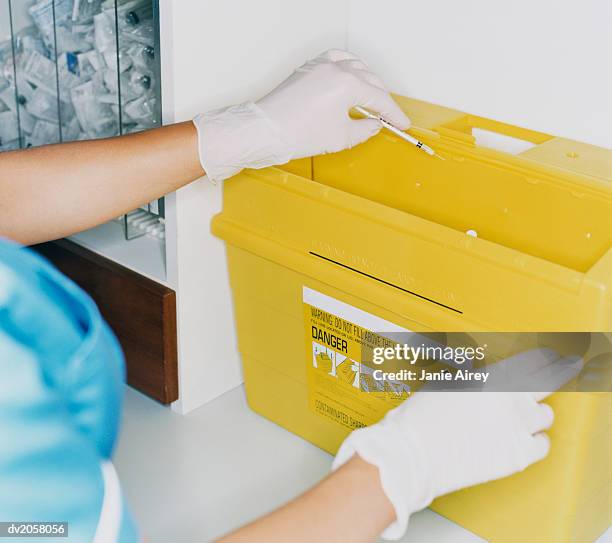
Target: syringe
<point x="405" y="136"/>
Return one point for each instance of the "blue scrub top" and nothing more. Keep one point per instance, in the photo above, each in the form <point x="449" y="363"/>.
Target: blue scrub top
<point x="61" y="385"/>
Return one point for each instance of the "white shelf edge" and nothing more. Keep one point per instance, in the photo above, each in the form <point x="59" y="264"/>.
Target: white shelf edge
<point x="144" y="255"/>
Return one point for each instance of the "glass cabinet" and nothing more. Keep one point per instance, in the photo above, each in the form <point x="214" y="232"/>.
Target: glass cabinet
<point x="81" y="69"/>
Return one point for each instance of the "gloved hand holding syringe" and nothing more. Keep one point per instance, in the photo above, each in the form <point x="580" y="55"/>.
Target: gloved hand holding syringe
<point x="392" y="128"/>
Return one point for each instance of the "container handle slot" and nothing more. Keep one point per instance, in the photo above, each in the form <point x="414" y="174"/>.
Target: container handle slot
<point x="475" y="131"/>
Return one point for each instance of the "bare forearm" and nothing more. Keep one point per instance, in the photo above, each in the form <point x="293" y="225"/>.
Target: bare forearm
<point x="57" y="190"/>
<point x="349" y="505"/>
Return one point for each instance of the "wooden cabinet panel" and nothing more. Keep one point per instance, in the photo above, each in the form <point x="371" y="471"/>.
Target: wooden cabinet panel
<point x="141" y="312"/>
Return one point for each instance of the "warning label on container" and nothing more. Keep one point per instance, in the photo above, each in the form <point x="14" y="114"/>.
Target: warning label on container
<point x="340" y="384"/>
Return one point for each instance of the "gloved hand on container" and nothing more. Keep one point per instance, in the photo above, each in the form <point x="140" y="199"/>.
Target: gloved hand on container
<point x="306" y="115"/>
<point x="438" y="442"/>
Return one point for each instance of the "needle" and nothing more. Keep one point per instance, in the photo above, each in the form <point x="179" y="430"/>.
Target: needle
<point x="405" y="136"/>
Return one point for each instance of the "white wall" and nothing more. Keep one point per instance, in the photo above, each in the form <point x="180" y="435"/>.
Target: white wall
<point x="243" y="48"/>
<point x="542" y="64"/>
<point x="215" y="53"/>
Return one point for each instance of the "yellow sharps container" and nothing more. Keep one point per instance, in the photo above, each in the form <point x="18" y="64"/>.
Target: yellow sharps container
<point x="331" y="250"/>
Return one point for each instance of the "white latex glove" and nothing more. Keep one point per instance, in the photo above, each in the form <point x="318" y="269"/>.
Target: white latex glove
<point x="306" y="115"/>
<point x="439" y="442"/>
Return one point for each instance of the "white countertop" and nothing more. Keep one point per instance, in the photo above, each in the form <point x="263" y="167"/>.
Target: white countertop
<point x="191" y="478"/>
